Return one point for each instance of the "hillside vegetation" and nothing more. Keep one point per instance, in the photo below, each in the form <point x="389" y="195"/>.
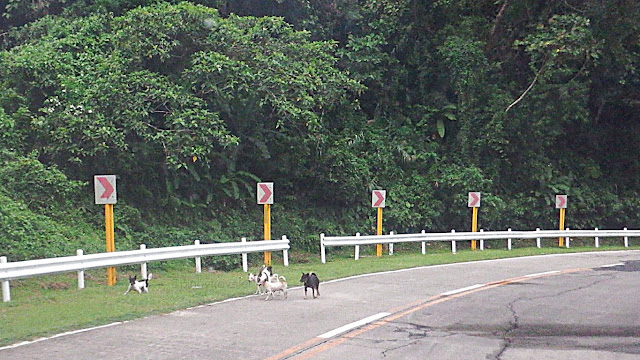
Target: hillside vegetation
<point x="191" y="104"/>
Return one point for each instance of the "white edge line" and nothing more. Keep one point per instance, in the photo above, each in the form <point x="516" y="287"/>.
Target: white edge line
<point x="61" y="335"/>
<point x="353" y="325"/>
<point x="457" y="291"/>
<point x="543" y="273"/>
<point x="612" y="265"/>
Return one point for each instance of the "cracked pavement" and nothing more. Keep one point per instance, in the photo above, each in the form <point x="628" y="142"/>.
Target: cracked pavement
<point x="583" y="315"/>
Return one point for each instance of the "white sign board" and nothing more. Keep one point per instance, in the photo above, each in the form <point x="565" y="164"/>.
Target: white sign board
<point x="378" y="198"/>
<point x="561" y="201"/>
<point x="474" y="199"/>
<point x="265" y="193"/>
<point x="105" y="189"/>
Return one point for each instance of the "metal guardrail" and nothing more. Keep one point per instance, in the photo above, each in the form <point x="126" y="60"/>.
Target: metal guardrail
<point x="31" y="268"/>
<point x="453" y="237"/>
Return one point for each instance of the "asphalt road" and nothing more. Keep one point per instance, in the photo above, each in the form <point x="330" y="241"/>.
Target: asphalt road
<point x="546" y="307"/>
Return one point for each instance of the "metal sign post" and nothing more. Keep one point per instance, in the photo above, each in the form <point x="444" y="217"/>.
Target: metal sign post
<point x="378" y="199"/>
<point x="474" y="203"/>
<point x="105" y="193"/>
<point x="265" y="197"/>
<point x="561" y="203"/>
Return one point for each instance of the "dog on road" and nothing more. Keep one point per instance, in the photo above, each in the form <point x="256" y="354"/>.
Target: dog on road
<point x="275" y="284"/>
<point x="263" y="275"/>
<point x="310" y="280"/>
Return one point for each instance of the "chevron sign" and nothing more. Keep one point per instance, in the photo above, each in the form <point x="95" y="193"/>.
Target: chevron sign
<point x="561" y="201"/>
<point x="105" y="189"/>
<point x="474" y="199"/>
<point x="378" y="198"/>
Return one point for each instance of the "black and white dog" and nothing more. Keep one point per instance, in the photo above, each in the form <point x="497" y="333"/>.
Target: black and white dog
<point x="263" y="275"/>
<point x="138" y="285"/>
<point x="311" y="280"/>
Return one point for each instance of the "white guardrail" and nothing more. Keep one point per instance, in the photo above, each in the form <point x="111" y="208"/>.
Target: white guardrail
<point x="453" y="237"/>
<point x="80" y="262"/>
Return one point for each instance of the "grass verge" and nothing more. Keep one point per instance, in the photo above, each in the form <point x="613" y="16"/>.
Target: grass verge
<point x="48" y="305"/>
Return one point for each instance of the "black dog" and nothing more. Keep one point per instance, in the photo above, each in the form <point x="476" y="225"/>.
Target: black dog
<point x="311" y="280"/>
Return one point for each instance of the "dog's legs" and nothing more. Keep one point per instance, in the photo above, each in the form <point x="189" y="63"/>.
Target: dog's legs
<point x="129" y="289"/>
<point x="305" y="292"/>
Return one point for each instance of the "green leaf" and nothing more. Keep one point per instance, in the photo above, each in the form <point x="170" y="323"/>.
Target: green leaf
<point x="440" y="125"/>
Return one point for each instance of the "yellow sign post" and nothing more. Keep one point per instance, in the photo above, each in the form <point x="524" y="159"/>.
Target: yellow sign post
<point x="378" y="199"/>
<point x="105" y="193"/>
<point x="265" y="197"/>
<point x="110" y="240"/>
<point x="474" y="226"/>
<point x="561" y="239"/>
<point x="379" y="232"/>
<point x="474" y="203"/>
<point x="561" y="203"/>
<point x="267" y="232"/>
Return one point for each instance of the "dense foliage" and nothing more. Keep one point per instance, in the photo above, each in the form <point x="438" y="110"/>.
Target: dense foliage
<point x="192" y="103"/>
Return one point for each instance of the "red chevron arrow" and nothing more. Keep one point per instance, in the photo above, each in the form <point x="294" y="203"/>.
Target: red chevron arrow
<point x="108" y="189"/>
<point x="380" y="198"/>
<point x="267" y="193"/>
<point x="474" y="199"/>
<point x="561" y="200"/>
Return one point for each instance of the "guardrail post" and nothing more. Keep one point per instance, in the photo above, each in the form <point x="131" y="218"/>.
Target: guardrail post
<point x="79" y="252"/>
<point x="356" y="254"/>
<point x="391" y="244"/>
<point x="597" y="239"/>
<point x="6" y="289"/>
<point x="245" y="265"/>
<point x="198" y="260"/>
<point x="424" y="249"/>
<point x="143" y="266"/>
<point x="509" y="240"/>
<point x="481" y="241"/>
<point x="567" y="239"/>
<point x="285" y="253"/>
<point x="626" y="239"/>
<point x="538" y="244"/>
<point x="323" y="255"/>
<point x="453" y="243"/>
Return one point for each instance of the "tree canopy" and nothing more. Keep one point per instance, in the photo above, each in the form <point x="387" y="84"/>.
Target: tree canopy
<point x="192" y="103"/>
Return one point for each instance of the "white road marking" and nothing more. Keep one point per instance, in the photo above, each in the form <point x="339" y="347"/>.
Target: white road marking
<point x="543" y="273"/>
<point x="457" y="291"/>
<point x="353" y="325"/>
<point x="60" y="335"/>
<point x="612" y="265"/>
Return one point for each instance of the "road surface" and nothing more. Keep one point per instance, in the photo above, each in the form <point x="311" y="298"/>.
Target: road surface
<point x="570" y="306"/>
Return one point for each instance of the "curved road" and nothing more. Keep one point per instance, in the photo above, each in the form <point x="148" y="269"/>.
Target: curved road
<point x="570" y="306"/>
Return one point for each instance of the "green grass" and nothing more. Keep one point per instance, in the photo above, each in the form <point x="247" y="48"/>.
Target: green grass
<point x="52" y="304"/>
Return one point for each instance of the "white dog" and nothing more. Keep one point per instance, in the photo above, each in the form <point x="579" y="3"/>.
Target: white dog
<point x="276" y="283"/>
<point x="256" y="279"/>
<point x="138" y="285"/>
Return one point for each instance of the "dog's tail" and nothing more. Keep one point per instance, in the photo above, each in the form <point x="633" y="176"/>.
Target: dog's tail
<point x="282" y="279"/>
<point x="150" y="276"/>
